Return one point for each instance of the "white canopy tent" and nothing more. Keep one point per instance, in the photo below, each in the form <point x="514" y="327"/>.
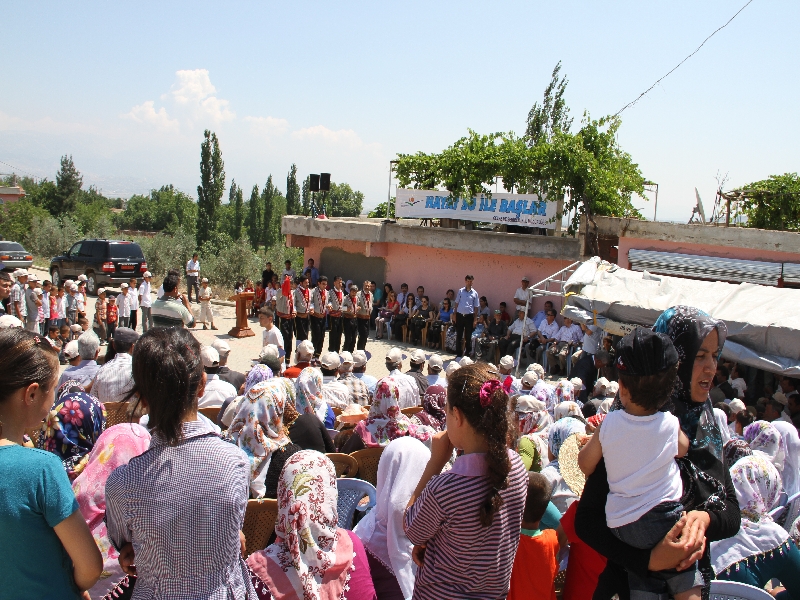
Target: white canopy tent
<point x="763" y="322"/>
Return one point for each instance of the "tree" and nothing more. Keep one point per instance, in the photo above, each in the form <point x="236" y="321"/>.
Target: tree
<point x="773" y="203"/>
<point x="211" y="188"/>
<point x="292" y="192"/>
<point x="379" y="212"/>
<point x="268" y="202"/>
<point x="552" y="114"/>
<point x="165" y="209"/>
<point x="307" y="200"/>
<point x="235" y="200"/>
<point x="68" y="183"/>
<point x="343" y="201"/>
<point x="254" y="218"/>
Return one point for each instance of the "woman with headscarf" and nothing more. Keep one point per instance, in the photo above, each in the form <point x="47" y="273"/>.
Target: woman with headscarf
<point x="763" y="437"/>
<point x="567" y="409"/>
<point x="534" y="421"/>
<point x="762" y="549"/>
<point x="734" y="450"/>
<point x="381" y="530"/>
<point x="565" y="391"/>
<point x="312" y="558"/>
<point x="307" y="431"/>
<point x="562" y="495"/>
<point x="258" y="430"/>
<point x="713" y="511"/>
<point x="791" y="467"/>
<point x="433" y="413"/>
<point x="115" y="447"/>
<point x="309" y="398"/>
<point x="71" y="429"/>
<point x="229" y="408"/>
<point x="385" y="422"/>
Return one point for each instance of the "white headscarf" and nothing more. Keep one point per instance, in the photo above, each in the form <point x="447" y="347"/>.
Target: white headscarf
<point x="722" y="422"/>
<point x="567" y="409"/>
<point x="758" y="488"/>
<point x="308" y="390"/>
<point x="399" y="471"/>
<point x="605" y="406"/>
<point x="791" y="467"/>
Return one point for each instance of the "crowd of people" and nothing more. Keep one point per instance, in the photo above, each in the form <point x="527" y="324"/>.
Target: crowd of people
<point x="500" y="477"/>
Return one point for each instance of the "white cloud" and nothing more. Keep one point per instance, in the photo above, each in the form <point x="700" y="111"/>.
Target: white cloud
<point x="194" y="91"/>
<point x="268" y="126"/>
<point x="146" y="113"/>
<point x="339" y="137"/>
<point x="43" y="125"/>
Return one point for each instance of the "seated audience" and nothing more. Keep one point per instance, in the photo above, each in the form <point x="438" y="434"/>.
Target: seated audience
<point x="791" y="470"/>
<point x="115" y="447"/>
<point x="422" y="316"/>
<point x="114" y="380"/>
<point x="416" y="365"/>
<point x="436" y="375"/>
<point x="235" y="378"/>
<point x="312" y="558"/>
<point x="309" y="397"/>
<point x="357" y="391"/>
<point x="433" y="414"/>
<point x="558" y="432"/>
<point x="48" y="551"/>
<point x="216" y="392"/>
<point x="385" y="316"/>
<point x="335" y="393"/>
<point x="360" y="371"/>
<point x="441" y="321"/>
<point x="764" y="438"/>
<point x="534" y="421"/>
<point x="735" y="449"/>
<point x="496" y="329"/>
<point x="85" y="369"/>
<point x="256" y="375"/>
<point x="306" y="431"/>
<point x="303" y="355"/>
<point x="409" y="391"/>
<point x="187" y="461"/>
<point x="381" y="530"/>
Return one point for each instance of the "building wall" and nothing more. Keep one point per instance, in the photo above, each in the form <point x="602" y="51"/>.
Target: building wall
<point x="496" y="276"/>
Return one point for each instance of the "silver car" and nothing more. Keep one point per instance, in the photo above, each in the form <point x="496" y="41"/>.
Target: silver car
<point x="14" y="256"/>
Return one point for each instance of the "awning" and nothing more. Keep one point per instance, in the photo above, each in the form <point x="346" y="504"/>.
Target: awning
<point x="763" y="322"/>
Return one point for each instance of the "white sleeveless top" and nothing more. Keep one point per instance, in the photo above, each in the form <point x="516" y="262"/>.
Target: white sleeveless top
<point x="640" y="460"/>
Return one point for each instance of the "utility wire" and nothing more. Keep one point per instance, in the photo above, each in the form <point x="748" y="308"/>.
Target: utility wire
<point x="20" y="170"/>
<point x="640" y="96"/>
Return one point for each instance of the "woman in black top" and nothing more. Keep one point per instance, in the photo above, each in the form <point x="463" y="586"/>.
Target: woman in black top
<point x="307" y="431"/>
<point x="709" y="495"/>
<point x="420" y="319"/>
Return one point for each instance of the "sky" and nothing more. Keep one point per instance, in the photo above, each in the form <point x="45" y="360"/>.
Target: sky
<point x="128" y="88"/>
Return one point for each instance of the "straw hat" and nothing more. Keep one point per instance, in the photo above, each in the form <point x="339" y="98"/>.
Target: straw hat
<point x="568" y="464"/>
<point x="353" y="413"/>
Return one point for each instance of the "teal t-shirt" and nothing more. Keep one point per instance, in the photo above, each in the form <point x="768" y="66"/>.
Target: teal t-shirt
<point x="35" y="496"/>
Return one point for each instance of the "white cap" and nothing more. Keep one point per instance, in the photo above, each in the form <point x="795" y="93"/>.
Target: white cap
<point x="394" y="356"/>
<point x="418" y="357"/>
<point x="123" y="285"/>
<point x="101" y="291"/>
<point x="147" y="274"/>
<point x="359" y="358"/>
<point x="71" y="350"/>
<point x="527" y="403"/>
<point x="75" y="328"/>
<point x="612" y="388"/>
<point x="305" y="349"/>
<point x="204" y="280"/>
<point x="330" y="360"/>
<point x="507" y="362"/>
<point x="530" y="378"/>
<point x="33" y="277"/>
<point x="452" y="367"/>
<point x="82" y="277"/>
<point x="465" y="360"/>
<point x="222" y="347"/>
<point x="737" y="406"/>
<point x="780" y="397"/>
<point x="346" y="358"/>
<point x="435" y="363"/>
<point x="39" y="291"/>
<point x="20" y="273"/>
<point x="537" y="368"/>
<point x="9" y="321"/>
<point x="577" y="382"/>
<point x="269" y="352"/>
<point x="209" y="356"/>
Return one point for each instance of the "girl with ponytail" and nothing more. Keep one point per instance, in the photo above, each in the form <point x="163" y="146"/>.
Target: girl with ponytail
<point x="465" y="523"/>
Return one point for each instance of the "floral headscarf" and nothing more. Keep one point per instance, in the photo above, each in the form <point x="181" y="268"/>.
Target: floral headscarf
<point x="115" y="447"/>
<point x="559" y="432"/>
<point x="70" y="385"/>
<point x="386" y="422"/>
<point x="791" y="468"/>
<point x="258" y="429"/>
<point x="256" y="375"/>
<point x="687" y="327"/>
<point x="532" y="416"/>
<point x="567" y="409"/>
<point x="311" y="558"/>
<point x="433" y="408"/>
<point x="735" y="449"/>
<point x="308" y="387"/>
<point x="546" y="393"/>
<point x="758" y="489"/>
<point x="764" y="437"/>
<point x="71" y="429"/>
<point x="565" y="391"/>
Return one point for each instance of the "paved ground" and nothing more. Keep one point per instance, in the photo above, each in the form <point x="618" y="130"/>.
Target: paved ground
<point x="244" y="350"/>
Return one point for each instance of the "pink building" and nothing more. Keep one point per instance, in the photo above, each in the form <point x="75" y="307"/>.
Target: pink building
<point x="9" y="195"/>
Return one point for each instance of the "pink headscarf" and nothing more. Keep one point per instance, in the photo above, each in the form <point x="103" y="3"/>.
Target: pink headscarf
<point x="386" y="422"/>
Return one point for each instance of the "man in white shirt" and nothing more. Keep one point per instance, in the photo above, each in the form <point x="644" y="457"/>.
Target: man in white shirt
<point x="84" y="369"/>
<point x="436" y="374"/>
<point x="114" y="380"/>
<point x="288" y="270"/>
<point x="409" y="392"/>
<point x="521" y="295"/>
<point x="547" y="333"/>
<point x="145" y="301"/>
<point x="567" y="337"/>
<point x="123" y="306"/>
<point x="520" y="332"/>
<point x="217" y="391"/>
<point x="360" y="360"/>
<point x="334" y="392"/>
<point x="583" y="360"/>
<point x="465" y="308"/>
<point x="192" y="273"/>
<point x="541" y="316"/>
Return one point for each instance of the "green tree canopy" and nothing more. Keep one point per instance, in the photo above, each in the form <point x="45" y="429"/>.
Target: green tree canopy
<point x="772" y="203"/>
<point x="165" y="209"/>
<point x="552" y="114"/>
<point x="211" y="188"/>
<point x="292" y="192"/>
<point x="343" y="201"/>
<point x="255" y="214"/>
<point x="269" y="196"/>
<point x="68" y="183"/>
<point x="235" y="200"/>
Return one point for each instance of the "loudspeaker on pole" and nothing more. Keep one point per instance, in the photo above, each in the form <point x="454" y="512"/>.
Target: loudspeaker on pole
<point x="314" y="183"/>
<point x="325" y="182"/>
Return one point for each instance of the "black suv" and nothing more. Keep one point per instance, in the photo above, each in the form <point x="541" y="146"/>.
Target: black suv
<point x="104" y="262"/>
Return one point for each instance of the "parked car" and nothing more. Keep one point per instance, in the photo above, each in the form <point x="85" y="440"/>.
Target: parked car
<point x="104" y="262"/>
<point x="14" y="256"/>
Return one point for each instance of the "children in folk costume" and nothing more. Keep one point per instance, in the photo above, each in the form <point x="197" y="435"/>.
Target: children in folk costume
<point x="284" y="307"/>
<point x="302" y="302"/>
<point x="335" y="299"/>
<point x="349" y="320"/>
<point x="319" y="309"/>
<point x="363" y="313"/>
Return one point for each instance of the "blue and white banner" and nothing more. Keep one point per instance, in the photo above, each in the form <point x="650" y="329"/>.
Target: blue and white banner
<point x="519" y="209"/>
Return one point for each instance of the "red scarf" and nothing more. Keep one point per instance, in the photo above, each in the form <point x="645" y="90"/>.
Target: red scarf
<point x="304" y="291"/>
<point x="286" y="290"/>
<point x="338" y="296"/>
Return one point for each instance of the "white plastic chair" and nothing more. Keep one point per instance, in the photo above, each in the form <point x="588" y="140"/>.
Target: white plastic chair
<point x="777" y="513"/>
<point x="351" y="491"/>
<point x="732" y="590"/>
<point x="792" y="511"/>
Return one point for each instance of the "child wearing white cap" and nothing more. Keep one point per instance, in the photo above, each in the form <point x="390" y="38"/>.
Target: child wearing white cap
<point x="123" y="306"/>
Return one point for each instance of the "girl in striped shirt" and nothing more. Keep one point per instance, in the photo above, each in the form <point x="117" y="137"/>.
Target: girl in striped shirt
<point x="465" y="523"/>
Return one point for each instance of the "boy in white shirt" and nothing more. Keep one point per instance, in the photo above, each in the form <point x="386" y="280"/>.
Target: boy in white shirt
<point x="133" y="303"/>
<point x="206" y="314"/>
<point x="123" y="306"/>
<point x="645" y="485"/>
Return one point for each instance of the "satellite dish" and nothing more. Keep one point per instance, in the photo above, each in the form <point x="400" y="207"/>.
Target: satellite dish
<point x="700" y="210"/>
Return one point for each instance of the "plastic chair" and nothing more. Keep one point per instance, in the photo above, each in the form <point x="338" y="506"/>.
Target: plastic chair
<point x="118" y="412"/>
<point x="259" y="524"/>
<point x="792" y="511"/>
<point x="346" y="465"/>
<point x="411" y="410"/>
<point x="368" y="460"/>
<point x="210" y="413"/>
<point x="732" y="590"/>
<point x="351" y="491"/>
<point x="445" y="327"/>
<point x="778" y="513"/>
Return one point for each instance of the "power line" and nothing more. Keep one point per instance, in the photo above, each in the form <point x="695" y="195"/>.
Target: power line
<point x="20" y="170"/>
<point x="640" y="96"/>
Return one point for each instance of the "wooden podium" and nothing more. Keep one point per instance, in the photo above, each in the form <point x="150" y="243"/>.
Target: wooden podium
<point x="242" y="328"/>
